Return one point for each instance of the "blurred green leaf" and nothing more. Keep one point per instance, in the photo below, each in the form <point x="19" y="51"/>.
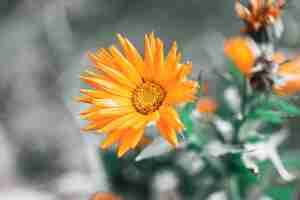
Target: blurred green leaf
<point x="284" y="191"/>
<point x="276" y="103"/>
<point x="235" y="73"/>
<point x="234" y="190"/>
<point x="285" y="106"/>
<point x="281" y="192"/>
<point x="267" y="115"/>
<point x="291" y="159"/>
<point x="185" y="115"/>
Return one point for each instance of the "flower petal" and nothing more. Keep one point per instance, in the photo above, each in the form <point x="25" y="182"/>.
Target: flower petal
<point x="125" y="141"/>
<point x="290" y="68"/>
<point x="118" y="123"/>
<point x="132" y="54"/>
<point x="108" y="86"/>
<point x="167" y="132"/>
<point x="127" y="68"/>
<point x="148" y="59"/>
<point x="116" y="75"/>
<point x="111" y="139"/>
<point x="182" y="92"/>
<point x="243" y="52"/>
<point x="169" y="115"/>
<point x="159" y="61"/>
<point x="95" y="125"/>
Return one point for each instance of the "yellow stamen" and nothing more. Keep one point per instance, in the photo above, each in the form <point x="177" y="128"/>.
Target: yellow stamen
<point x="148" y="97"/>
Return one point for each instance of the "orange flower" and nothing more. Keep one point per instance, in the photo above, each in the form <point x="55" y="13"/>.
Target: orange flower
<point x="260" y="13"/>
<point x="129" y="91"/>
<point x="290" y="73"/>
<point x="104" y="196"/>
<point x="281" y="74"/>
<point x="207" y="105"/>
<point x="243" y="52"/>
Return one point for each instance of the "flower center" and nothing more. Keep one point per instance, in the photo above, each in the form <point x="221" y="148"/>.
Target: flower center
<point x="148" y="97"/>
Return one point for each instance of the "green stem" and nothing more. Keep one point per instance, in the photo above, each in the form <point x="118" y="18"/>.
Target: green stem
<point x="233" y="189"/>
<point x="240" y="122"/>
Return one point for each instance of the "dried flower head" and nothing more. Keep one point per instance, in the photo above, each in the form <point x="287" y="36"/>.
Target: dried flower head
<point x="128" y="92"/>
<point x="276" y="73"/>
<point x="259" y="13"/>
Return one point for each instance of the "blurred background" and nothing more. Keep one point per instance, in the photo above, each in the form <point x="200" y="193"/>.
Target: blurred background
<point x="43" y="43"/>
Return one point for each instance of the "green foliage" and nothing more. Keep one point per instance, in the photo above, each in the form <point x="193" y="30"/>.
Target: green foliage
<point x="228" y="170"/>
<point x="272" y="109"/>
<point x="185" y="115"/>
<point x="279" y="190"/>
<point x="267" y="115"/>
<point x="237" y="76"/>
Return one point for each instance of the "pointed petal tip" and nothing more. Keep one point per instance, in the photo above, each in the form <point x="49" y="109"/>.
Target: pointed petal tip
<point x="120" y="37"/>
<point x="122" y="152"/>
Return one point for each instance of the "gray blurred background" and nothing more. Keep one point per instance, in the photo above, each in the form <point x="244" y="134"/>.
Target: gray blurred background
<point x="43" y="156"/>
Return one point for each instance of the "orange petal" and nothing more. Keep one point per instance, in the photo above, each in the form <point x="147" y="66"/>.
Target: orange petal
<point x="89" y="110"/>
<point x="182" y="92"/>
<point x="291" y="72"/>
<point x="180" y="74"/>
<point x="97" y="95"/>
<point x="116" y="75"/>
<point x="137" y="138"/>
<point x="148" y="59"/>
<point x="288" y="88"/>
<point x="116" y="111"/>
<point x="97" y="124"/>
<point x="169" y="115"/>
<point x="106" y="112"/>
<point x="171" y="58"/>
<point x="133" y="122"/>
<point x="167" y="132"/>
<point x="84" y="99"/>
<point x="152" y="39"/>
<point x="111" y="139"/>
<point x="126" y="141"/>
<point x="102" y="56"/>
<point x="112" y="102"/>
<point x="159" y="61"/>
<point x="108" y="86"/>
<point x="115" y="124"/>
<point x="243" y="52"/>
<point x="128" y="69"/>
<point x="133" y="55"/>
<point x="291" y="67"/>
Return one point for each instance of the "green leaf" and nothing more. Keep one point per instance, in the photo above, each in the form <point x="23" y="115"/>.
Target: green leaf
<point x="291" y="159"/>
<point x="235" y="73"/>
<point x="233" y="189"/>
<point x="185" y="115"/>
<point x="267" y="115"/>
<point x="278" y="104"/>
<point x="283" y="191"/>
<point x="287" y="107"/>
